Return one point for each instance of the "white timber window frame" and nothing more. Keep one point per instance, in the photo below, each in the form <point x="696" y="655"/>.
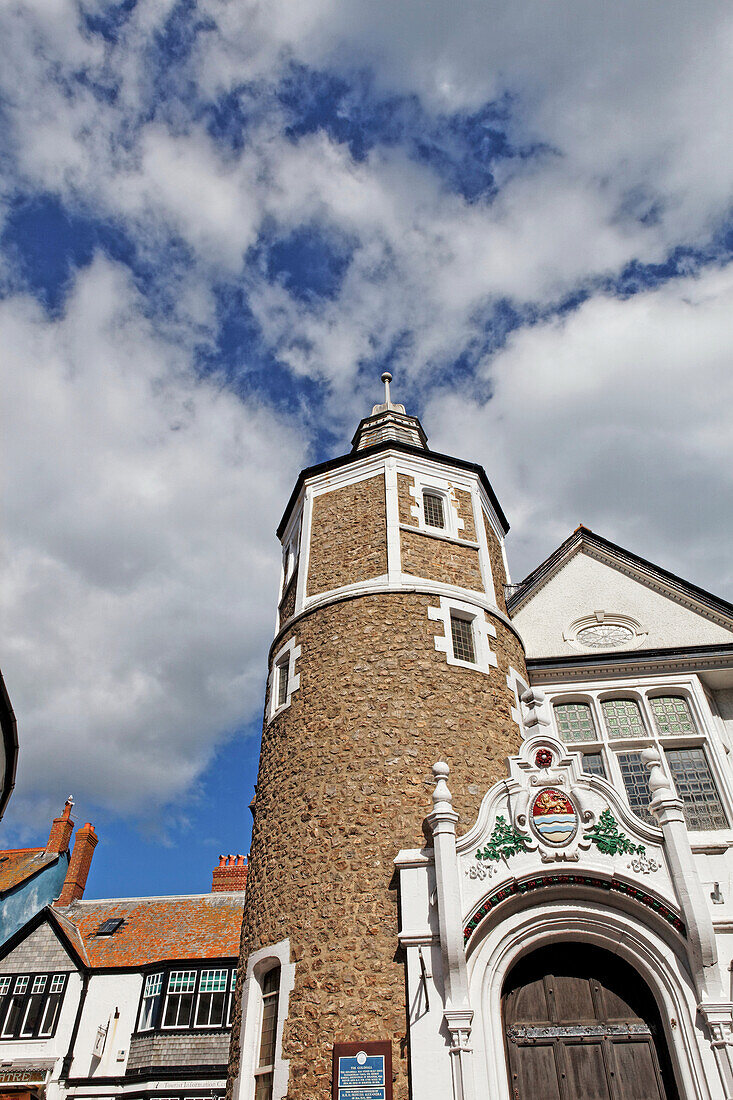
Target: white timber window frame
<point x="619" y="745"/>
<point x="481" y="630"/>
<point x="152" y="992"/>
<point x="258" y="964"/>
<point x="179" y="999"/>
<point x="284" y="680"/>
<point x="211" y="1002"/>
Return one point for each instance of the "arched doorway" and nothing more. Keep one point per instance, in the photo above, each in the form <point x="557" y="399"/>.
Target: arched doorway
<point x="581" y="1022"/>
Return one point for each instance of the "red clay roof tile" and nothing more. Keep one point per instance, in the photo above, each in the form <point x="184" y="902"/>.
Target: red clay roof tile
<point x="204" y="926"/>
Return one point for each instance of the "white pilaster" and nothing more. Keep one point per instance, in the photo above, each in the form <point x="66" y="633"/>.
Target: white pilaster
<point x="484" y="559"/>
<point x="305" y="550"/>
<point x="668" y="809"/>
<point x="394" y="557"/>
<point x="457" y="1013"/>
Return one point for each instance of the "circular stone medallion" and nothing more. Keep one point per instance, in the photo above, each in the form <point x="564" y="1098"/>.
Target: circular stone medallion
<point x="554" y="817"/>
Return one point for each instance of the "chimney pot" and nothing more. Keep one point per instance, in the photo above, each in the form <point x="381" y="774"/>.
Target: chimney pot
<point x="230" y="875"/>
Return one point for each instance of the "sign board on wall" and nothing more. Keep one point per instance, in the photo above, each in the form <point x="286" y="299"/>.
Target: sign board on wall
<point x="362" y="1071"/>
<point x="22" y="1076"/>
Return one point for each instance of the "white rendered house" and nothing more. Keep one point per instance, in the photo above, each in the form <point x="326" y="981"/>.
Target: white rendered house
<point x="122" y="997"/>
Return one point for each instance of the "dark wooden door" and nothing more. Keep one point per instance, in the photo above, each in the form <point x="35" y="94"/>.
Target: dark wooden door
<point x="581" y="1023"/>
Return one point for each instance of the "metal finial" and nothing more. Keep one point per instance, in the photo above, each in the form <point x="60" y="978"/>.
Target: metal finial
<point x="387" y="378"/>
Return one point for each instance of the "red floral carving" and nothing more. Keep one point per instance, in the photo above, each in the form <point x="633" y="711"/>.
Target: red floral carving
<point x="543" y="758"/>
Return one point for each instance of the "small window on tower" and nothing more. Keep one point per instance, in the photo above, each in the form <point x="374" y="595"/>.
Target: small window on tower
<point x="283" y="676"/>
<point x="268" y="1035"/>
<point x="462" y="639"/>
<point x="433" y="508"/>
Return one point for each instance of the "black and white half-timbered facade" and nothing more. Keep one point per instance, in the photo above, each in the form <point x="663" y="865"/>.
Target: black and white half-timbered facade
<point x="575" y="940"/>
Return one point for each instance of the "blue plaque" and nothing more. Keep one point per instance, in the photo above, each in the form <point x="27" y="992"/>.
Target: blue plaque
<point x="361" y="1076"/>
<point x="362" y="1070"/>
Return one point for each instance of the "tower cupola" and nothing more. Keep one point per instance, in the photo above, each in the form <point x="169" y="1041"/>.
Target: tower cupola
<point x="388" y="421"/>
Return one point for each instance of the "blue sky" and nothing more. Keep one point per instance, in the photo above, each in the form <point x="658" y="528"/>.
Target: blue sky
<point x="218" y="224"/>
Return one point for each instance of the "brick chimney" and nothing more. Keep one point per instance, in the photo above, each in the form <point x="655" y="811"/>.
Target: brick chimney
<point x="230" y="875"/>
<point x="61" y="830"/>
<point x="79" y="864"/>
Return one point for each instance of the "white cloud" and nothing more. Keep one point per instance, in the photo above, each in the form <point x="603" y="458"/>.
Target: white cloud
<point x="141" y="564"/>
<point x="617" y="417"/>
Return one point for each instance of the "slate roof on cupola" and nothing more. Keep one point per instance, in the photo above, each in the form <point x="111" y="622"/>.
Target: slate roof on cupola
<point x="158" y="929"/>
<point x="583" y="539"/>
<point x="389" y="422"/>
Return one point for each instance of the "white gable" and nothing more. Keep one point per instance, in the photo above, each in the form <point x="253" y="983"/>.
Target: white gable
<point x="584" y="585"/>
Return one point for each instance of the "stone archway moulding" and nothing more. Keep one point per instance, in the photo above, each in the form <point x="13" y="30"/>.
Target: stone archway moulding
<point x="504" y="943"/>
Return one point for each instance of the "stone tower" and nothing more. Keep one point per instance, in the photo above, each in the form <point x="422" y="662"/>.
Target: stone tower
<point x="393" y="650"/>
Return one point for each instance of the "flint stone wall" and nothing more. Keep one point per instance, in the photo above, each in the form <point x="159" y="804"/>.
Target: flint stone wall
<point x="348" y="536"/>
<point x="344" y="783"/>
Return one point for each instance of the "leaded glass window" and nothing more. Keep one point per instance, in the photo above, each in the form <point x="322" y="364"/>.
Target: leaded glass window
<point x="623" y="718"/>
<point x="672" y="714"/>
<point x="575" y="722"/>
<point x="696" y="787"/>
<point x="462" y="639"/>
<point x="433" y="508"/>
<point x="636" y="782"/>
<point x="593" y="764"/>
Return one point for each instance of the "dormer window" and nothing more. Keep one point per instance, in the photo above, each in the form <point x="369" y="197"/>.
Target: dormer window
<point x="433" y="510"/>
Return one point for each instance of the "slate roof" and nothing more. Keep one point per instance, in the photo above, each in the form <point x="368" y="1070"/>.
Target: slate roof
<point x="199" y="926"/>
<point x="19" y="864"/>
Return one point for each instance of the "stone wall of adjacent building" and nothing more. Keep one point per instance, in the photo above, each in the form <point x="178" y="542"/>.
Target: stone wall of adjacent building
<point x="344" y="784"/>
<point x="349" y="535"/>
<point x="183" y="1049"/>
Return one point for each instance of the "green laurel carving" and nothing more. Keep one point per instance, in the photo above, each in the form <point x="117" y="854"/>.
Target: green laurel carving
<point x="505" y="841"/>
<point x="607" y="838"/>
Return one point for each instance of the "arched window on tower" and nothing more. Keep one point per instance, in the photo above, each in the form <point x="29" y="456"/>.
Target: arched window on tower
<point x="270" y="986"/>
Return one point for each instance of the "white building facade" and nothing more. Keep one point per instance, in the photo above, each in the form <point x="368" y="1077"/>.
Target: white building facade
<point x="576" y="938"/>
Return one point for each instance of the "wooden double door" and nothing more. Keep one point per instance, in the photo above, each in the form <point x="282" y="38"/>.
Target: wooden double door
<point x="581" y="1023"/>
